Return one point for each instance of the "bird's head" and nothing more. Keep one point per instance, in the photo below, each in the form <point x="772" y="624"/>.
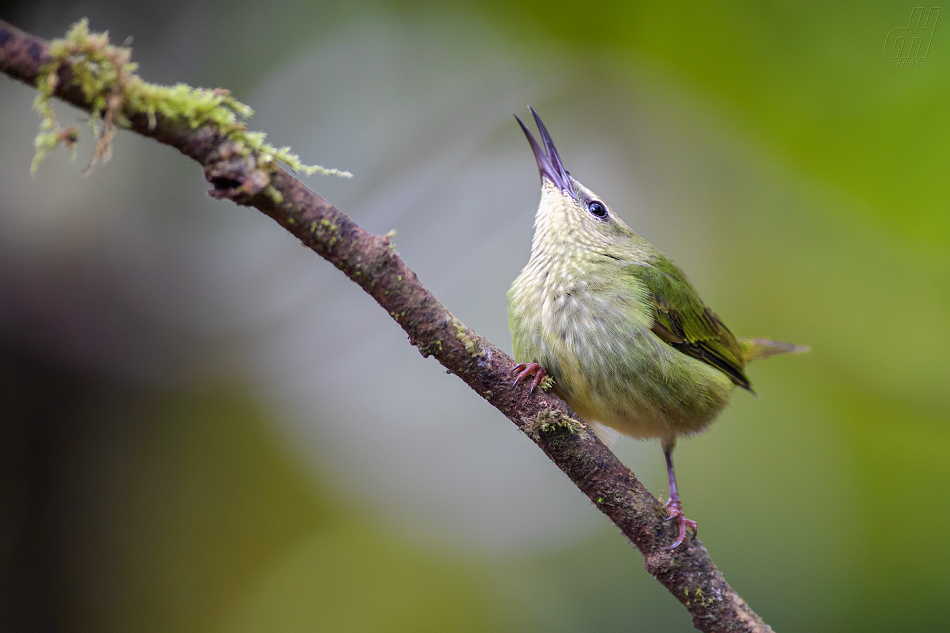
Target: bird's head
<point x="570" y="212"/>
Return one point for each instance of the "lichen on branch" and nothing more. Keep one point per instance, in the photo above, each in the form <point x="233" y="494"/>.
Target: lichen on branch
<point x="106" y="75"/>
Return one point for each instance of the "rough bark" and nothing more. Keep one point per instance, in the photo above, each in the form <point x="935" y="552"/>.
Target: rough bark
<point x="372" y="262"/>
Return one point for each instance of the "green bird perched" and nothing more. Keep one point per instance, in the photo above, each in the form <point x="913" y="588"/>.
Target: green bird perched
<point x="617" y="325"/>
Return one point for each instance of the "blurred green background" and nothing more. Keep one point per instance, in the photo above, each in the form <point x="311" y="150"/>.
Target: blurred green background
<point x="204" y="426"/>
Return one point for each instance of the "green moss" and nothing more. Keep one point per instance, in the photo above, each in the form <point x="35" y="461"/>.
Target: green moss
<point x="461" y="333"/>
<point x="108" y="80"/>
<point x="323" y="228"/>
<point x="431" y="348"/>
<point x="706" y="602"/>
<point x="549" y="420"/>
<point x="273" y="194"/>
<point x="388" y="238"/>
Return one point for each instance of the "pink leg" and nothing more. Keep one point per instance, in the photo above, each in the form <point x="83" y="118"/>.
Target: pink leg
<point x="529" y="369"/>
<point x="673" y="505"/>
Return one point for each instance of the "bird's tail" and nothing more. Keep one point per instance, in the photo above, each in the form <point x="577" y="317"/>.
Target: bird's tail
<point x="757" y="348"/>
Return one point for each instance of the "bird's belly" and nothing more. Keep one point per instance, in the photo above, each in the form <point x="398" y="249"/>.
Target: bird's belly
<point x="614" y="370"/>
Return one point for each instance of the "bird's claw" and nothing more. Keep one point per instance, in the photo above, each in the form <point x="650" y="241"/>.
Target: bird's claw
<point x="529" y="369"/>
<point x="675" y="509"/>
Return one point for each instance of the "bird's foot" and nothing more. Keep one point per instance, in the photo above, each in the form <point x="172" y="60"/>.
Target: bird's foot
<point x="526" y="370"/>
<point x="675" y="509"/>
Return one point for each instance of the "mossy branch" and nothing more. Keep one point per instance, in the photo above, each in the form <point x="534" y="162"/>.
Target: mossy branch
<point x="86" y="71"/>
<point x="112" y="90"/>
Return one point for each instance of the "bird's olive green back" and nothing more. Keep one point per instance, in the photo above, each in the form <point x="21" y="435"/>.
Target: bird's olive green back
<point x="684" y="322"/>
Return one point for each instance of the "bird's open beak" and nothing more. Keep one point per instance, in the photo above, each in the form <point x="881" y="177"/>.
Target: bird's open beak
<point x="549" y="162"/>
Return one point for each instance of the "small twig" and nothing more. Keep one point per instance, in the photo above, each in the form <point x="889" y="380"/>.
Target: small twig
<point x="371" y="261"/>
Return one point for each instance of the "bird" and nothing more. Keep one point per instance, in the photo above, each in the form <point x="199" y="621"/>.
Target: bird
<point x="624" y="335"/>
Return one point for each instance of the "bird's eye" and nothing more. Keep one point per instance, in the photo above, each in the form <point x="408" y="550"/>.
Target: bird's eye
<point x="597" y="208"/>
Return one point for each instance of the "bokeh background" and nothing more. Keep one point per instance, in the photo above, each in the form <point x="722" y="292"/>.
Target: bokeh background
<point x="205" y="427"/>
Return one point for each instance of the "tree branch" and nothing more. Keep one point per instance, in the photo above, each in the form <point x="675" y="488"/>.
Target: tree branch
<point x="371" y="262"/>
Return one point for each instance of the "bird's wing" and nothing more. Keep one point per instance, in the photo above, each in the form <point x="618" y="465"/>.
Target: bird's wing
<point x="681" y="319"/>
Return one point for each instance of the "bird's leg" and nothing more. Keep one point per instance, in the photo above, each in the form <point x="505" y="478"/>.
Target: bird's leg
<point x="673" y="505"/>
<point x="529" y="369"/>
